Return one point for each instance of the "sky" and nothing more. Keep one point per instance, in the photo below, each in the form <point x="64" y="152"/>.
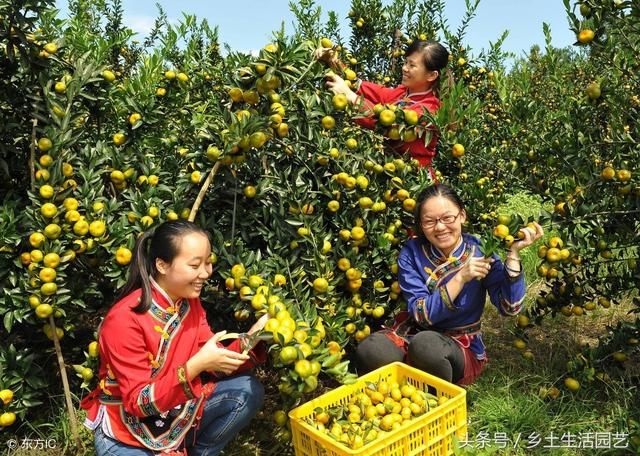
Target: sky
<point x="247" y="25"/>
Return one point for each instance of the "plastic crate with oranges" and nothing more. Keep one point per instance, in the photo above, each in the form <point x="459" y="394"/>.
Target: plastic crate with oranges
<point x="396" y="410"/>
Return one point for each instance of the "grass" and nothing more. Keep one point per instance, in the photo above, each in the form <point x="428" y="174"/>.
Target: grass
<point x="506" y="399"/>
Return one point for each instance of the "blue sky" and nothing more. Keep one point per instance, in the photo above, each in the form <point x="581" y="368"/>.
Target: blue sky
<point x="248" y="24"/>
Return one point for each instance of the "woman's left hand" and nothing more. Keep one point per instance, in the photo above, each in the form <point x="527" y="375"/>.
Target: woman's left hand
<point x="531" y="235"/>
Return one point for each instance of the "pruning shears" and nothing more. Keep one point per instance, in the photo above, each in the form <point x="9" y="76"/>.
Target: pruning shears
<point x="247" y="340"/>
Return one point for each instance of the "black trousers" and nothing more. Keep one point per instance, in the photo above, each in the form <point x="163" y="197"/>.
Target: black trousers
<point x="429" y="351"/>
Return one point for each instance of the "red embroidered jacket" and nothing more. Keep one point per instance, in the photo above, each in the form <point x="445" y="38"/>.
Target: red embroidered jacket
<point x="144" y="397"/>
<point x="373" y="94"/>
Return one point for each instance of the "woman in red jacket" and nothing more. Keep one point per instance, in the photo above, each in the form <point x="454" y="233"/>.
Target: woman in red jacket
<point x="166" y="382"/>
<point x="424" y="67"/>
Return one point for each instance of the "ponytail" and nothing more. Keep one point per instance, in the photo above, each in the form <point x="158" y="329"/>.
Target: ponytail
<point x="139" y="271"/>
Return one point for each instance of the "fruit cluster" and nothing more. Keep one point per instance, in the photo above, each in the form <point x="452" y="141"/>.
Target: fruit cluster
<point x="397" y="123"/>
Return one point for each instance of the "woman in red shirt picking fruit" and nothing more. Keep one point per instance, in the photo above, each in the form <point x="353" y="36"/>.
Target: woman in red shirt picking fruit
<point x="421" y="73"/>
<point x="167" y="385"/>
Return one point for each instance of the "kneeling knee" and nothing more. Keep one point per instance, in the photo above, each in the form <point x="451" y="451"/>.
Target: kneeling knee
<point x="376" y="351"/>
<point x="251" y="394"/>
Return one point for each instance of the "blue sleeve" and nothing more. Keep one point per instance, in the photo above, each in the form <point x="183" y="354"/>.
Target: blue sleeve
<point x="427" y="308"/>
<point x="506" y="293"/>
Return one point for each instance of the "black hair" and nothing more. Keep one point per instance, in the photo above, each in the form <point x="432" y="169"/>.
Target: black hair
<point x="435" y="57"/>
<point x="163" y="243"/>
<point x="430" y="192"/>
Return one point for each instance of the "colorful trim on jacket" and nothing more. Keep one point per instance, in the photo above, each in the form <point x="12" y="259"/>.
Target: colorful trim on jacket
<point x="176" y="431"/>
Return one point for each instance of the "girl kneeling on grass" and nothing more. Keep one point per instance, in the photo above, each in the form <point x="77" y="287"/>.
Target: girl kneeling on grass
<point x="445" y="279"/>
<point x="166" y="383"/>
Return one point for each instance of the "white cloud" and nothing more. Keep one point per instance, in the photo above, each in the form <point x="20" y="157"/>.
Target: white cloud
<point x="142" y="25"/>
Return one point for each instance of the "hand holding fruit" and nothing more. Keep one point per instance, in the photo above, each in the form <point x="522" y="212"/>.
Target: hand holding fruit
<point x="327" y="55"/>
<point x="528" y="235"/>
<point x="338" y="85"/>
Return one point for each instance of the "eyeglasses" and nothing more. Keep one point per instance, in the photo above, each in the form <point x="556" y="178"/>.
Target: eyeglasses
<point x="445" y="220"/>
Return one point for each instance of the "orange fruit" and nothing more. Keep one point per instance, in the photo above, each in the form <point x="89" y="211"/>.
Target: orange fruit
<point x="320" y="285"/>
<point x="6" y="396"/>
<point x="572" y="384"/>
<point x="119" y="139"/>
<point x="501" y="231"/>
<point x="608" y="173"/>
<point x="519" y="344"/>
<point x="586" y="36"/>
<point x="44" y="144"/>
<point x="123" y="256"/>
<point x="357" y="233"/>
<point x="109" y="75"/>
<point x="280" y="418"/>
<point x="249" y="191"/>
<point x="410" y="117"/>
<point x="288" y="354"/>
<point x="49" y="288"/>
<point x="52" y="231"/>
<point x="97" y="228"/>
<point x="326" y="43"/>
<point x="87" y="374"/>
<point x="458" y="150"/>
<point x="351" y="143"/>
<point x="387" y="117"/>
<point x="593" y="91"/>
<point x="7" y="419"/>
<point x="303" y="368"/>
<point x="47" y="274"/>
<point x="93" y="349"/>
<point x="134" y="118"/>
<point x="44" y="310"/>
<point x="328" y="122"/>
<point x="409" y="204"/>
<point x="340" y="101"/>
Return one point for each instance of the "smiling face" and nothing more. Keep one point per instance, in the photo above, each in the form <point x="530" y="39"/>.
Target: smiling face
<point x="185" y="276"/>
<point x="443" y="236"/>
<point x="415" y="76"/>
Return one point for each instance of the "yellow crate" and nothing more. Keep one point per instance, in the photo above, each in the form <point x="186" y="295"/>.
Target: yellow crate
<point x="429" y="434"/>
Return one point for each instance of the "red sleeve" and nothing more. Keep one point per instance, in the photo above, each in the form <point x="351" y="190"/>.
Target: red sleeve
<point x="376" y="93"/>
<point x="123" y="346"/>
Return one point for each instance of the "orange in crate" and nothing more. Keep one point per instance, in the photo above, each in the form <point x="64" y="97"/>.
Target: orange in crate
<point x="428" y="434"/>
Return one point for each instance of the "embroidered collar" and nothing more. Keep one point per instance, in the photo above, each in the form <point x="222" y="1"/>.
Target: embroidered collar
<point x="162" y="299"/>
<point x="417" y="94"/>
<point x="438" y="257"/>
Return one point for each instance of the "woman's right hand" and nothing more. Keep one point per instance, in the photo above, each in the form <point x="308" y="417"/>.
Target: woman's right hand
<point x="475" y="268"/>
<point x="212" y="357"/>
<point x="327" y="55"/>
